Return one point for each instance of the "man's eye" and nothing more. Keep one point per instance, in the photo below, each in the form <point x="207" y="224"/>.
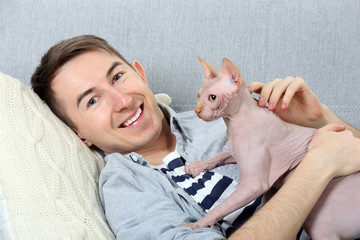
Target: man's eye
<point x="117" y="77"/>
<point x="92" y="102"/>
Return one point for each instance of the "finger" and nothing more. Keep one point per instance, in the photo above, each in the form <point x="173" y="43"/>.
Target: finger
<point x="255" y="87"/>
<point x="296" y="85"/>
<point x="267" y="91"/>
<point x="333" y="128"/>
<point x="278" y="91"/>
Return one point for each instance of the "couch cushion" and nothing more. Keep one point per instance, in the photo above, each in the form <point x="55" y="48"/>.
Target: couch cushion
<point x="48" y="177"/>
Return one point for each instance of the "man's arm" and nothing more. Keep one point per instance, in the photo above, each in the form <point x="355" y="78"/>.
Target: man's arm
<point x="331" y="154"/>
<point x="332" y="118"/>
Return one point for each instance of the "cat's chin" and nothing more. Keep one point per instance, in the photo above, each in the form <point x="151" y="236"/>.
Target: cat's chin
<point x="207" y="119"/>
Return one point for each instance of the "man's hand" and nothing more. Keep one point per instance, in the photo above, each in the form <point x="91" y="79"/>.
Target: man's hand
<point x="336" y="149"/>
<point x="292" y="100"/>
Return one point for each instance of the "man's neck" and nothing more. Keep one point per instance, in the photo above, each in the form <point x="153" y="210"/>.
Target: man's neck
<point x="162" y="146"/>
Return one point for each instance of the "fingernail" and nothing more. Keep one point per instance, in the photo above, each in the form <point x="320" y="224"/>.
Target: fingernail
<point x="271" y="105"/>
<point x="284" y="105"/>
<point x="262" y="100"/>
<point x="250" y="90"/>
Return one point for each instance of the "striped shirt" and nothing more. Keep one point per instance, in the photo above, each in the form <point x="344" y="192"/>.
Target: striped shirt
<point x="208" y="189"/>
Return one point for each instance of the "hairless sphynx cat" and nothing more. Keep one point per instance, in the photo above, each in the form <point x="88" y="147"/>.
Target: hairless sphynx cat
<point x="266" y="150"/>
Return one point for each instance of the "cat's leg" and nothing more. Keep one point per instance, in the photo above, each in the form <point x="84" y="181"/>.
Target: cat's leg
<point x="199" y="166"/>
<point x="246" y="192"/>
<point x="254" y="174"/>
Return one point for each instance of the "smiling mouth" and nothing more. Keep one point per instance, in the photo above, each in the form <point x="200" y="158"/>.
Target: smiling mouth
<point x="133" y="119"/>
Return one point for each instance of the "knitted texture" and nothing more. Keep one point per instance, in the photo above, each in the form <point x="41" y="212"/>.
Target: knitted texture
<point x="48" y="177"/>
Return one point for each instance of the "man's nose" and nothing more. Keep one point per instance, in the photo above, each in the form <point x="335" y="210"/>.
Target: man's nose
<point x="119" y="99"/>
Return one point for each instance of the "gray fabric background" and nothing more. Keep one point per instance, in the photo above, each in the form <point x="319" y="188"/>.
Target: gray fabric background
<point x="317" y="40"/>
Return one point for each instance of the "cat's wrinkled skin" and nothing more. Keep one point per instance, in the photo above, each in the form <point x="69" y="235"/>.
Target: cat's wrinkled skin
<point x="266" y="150"/>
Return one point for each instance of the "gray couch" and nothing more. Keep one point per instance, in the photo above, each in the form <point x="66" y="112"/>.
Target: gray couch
<point x="266" y="39"/>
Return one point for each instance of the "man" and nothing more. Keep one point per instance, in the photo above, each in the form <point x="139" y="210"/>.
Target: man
<point x="108" y="103"/>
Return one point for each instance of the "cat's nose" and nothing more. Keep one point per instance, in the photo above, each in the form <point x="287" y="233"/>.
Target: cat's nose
<point x="198" y="109"/>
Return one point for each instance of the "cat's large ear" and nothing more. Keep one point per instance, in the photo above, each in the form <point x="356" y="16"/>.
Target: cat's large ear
<point x="229" y="68"/>
<point x="210" y="71"/>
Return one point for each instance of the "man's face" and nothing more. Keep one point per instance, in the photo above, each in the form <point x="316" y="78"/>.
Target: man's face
<point x="109" y="102"/>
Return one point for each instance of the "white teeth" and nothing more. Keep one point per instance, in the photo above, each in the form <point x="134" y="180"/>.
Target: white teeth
<point x="133" y="119"/>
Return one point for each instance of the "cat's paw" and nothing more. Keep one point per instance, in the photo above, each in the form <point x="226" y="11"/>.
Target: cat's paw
<point x="193" y="226"/>
<point x="195" y="168"/>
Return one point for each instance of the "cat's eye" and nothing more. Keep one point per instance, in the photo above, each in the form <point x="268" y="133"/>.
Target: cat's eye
<point x="198" y="96"/>
<point x="212" y="97"/>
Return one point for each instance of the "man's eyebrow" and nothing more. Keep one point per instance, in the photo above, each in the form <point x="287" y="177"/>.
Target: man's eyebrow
<point x="114" y="65"/>
<point x="81" y="96"/>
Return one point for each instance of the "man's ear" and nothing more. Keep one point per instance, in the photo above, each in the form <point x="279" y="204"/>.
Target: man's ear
<point x="228" y="68"/>
<point x="210" y="71"/>
<point x="139" y="69"/>
<point x="87" y="142"/>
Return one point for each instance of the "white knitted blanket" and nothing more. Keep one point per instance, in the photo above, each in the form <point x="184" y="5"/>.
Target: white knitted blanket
<point x="48" y="177"/>
<point x="5" y="230"/>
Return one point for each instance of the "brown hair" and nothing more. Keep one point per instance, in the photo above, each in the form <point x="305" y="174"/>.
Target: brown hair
<point x="55" y="58"/>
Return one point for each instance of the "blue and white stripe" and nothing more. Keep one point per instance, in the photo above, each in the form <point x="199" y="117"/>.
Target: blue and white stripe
<point x="208" y="189"/>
